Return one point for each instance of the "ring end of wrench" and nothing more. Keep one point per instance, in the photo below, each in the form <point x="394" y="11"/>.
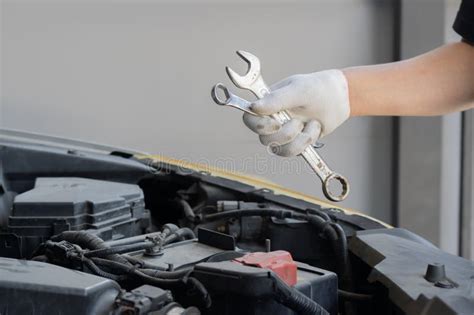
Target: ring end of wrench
<point x="215" y="94"/>
<point x="344" y="189"/>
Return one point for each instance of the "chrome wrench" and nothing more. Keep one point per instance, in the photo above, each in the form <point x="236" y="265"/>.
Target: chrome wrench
<point x="230" y="99"/>
<point x="254" y="82"/>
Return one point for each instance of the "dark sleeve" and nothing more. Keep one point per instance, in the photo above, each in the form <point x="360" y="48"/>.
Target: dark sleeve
<point x="464" y="23"/>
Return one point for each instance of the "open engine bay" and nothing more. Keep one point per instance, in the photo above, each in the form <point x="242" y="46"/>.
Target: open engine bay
<point x="89" y="232"/>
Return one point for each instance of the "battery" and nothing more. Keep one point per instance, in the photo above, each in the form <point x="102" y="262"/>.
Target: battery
<point x="241" y="289"/>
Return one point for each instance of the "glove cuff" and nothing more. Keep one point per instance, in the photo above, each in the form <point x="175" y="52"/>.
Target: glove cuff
<point x="335" y="87"/>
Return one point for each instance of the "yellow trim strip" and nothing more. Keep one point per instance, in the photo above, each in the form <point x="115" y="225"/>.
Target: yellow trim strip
<point x="253" y="181"/>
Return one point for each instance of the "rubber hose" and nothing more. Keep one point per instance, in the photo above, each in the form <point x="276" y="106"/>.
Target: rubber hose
<point x="187" y="210"/>
<point x="338" y="240"/>
<point x="99" y="272"/>
<point x="179" y="235"/>
<point x="344" y="257"/>
<point x="322" y="225"/>
<point x="87" y="240"/>
<point x="319" y="213"/>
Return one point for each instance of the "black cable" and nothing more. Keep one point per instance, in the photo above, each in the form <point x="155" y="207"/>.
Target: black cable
<point x="280" y="214"/>
<point x="166" y="274"/>
<point x="86" y="240"/>
<point x="190" y="282"/>
<point x="181" y="281"/>
<point x="165" y="231"/>
<point x="105" y="252"/>
<point x="177" y="235"/>
<point x="169" y="282"/>
<point x="122" y="268"/>
<point x="99" y="272"/>
<point x="295" y="300"/>
<point x="176" y="283"/>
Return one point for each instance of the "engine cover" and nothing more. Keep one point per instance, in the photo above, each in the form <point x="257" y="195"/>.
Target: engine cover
<point x="110" y="210"/>
<point x="31" y="287"/>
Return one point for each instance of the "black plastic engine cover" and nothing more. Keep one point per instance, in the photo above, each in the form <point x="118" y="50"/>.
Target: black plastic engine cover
<point x="31" y="287"/>
<point x="108" y="209"/>
<point x="399" y="261"/>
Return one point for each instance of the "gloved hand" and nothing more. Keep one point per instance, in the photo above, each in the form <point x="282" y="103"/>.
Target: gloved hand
<point x="317" y="102"/>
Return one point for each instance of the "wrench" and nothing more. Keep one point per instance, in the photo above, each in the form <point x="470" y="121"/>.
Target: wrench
<point x="253" y="82"/>
<point x="237" y="102"/>
<point x="230" y="99"/>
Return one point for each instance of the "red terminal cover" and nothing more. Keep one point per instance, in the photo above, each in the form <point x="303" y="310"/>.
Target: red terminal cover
<point x="279" y="261"/>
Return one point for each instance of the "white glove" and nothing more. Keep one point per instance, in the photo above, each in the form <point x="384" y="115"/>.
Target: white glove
<point x="317" y="102"/>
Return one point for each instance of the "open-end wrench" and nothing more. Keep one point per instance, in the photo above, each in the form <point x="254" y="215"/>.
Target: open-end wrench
<point x="253" y="82"/>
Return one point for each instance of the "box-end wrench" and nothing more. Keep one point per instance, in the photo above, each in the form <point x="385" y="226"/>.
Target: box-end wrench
<point x="230" y="99"/>
<point x="254" y="82"/>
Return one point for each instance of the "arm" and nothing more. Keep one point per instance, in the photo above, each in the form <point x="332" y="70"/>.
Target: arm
<point x="438" y="82"/>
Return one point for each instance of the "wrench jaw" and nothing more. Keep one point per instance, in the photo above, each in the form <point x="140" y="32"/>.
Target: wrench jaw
<point x="249" y="58"/>
<point x="253" y="72"/>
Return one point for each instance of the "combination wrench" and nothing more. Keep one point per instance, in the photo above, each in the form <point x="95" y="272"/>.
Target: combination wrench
<point x="254" y="82"/>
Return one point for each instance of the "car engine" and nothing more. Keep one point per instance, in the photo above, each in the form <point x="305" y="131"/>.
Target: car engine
<point x="84" y="231"/>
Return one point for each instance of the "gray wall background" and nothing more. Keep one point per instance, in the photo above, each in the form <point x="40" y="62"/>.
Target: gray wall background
<point x="138" y="74"/>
